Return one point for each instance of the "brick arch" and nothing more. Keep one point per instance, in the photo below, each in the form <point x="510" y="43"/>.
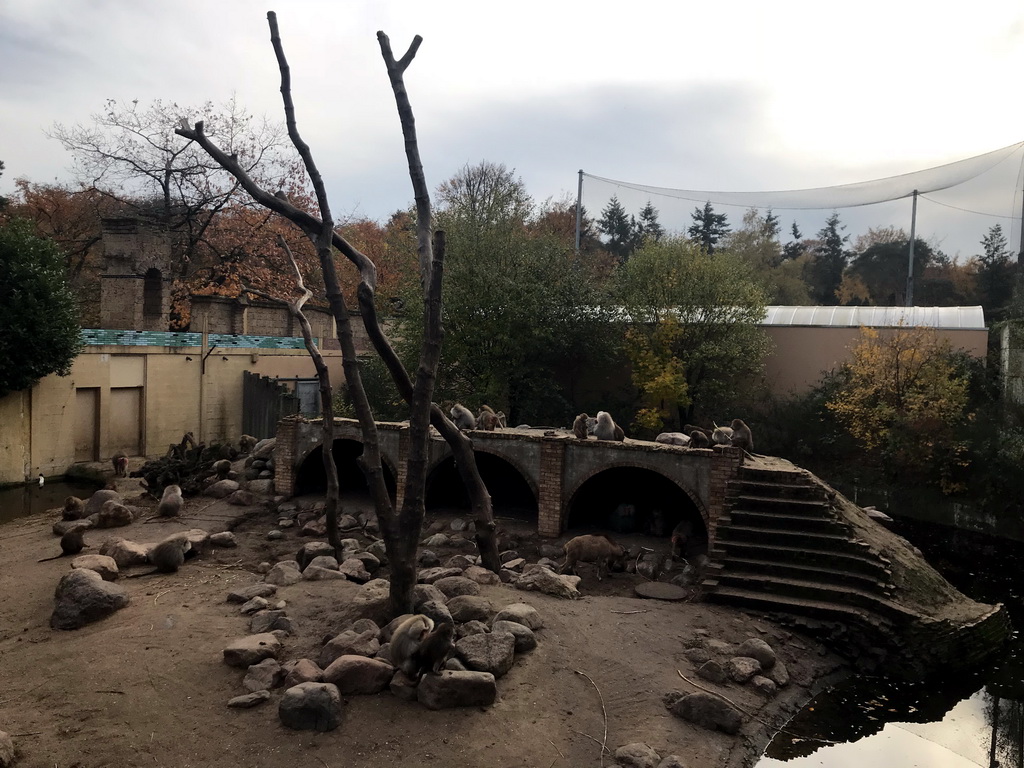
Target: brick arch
<point x="527" y="477"/>
<point x="385" y="458"/>
<point x="693" y="497"/>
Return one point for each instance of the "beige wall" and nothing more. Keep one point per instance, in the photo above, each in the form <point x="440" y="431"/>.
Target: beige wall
<point x="804" y="353"/>
<point x="37" y="427"/>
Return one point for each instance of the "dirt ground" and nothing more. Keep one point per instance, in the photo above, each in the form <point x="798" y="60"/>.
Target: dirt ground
<point x="148" y="686"/>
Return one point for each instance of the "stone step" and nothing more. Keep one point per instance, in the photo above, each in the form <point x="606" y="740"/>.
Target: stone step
<point x="776" y="490"/>
<point x="826" y="542"/>
<point x="817" y="506"/>
<point x="852" y="562"/>
<point x="779" y="520"/>
<point x="757" y="474"/>
<point x="735" y="566"/>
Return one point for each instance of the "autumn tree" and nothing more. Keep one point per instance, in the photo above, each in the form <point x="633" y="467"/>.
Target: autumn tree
<point x="658" y="374"/>
<point x="708" y="227"/>
<point x="904" y="399"/>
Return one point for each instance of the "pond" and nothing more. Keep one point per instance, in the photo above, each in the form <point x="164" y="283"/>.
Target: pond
<point x="948" y="722"/>
<point x="22" y="500"/>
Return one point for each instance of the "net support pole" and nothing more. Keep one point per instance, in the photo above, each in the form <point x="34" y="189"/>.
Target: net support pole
<point x="579" y="210"/>
<point x="910" y="250"/>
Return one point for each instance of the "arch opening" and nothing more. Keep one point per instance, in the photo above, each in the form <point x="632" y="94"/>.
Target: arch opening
<point x="153" y="293"/>
<point x="633" y="500"/>
<point x="511" y="495"/>
<point x="312" y="478"/>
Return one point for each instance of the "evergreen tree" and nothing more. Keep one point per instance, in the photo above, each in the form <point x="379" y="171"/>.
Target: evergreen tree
<point x="995" y="273"/>
<point x="770" y="227"/>
<point x="708" y="227"/>
<point x="829" y="263"/>
<point x="619" y="228"/>
<point x="648" y="227"/>
<point x="795" y="248"/>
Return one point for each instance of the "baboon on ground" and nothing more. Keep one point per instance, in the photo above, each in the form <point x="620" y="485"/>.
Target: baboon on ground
<point x="406" y="641"/>
<point x="167" y="556"/>
<point x="120" y="462"/>
<point x="171" y="502"/>
<point x="222" y="467"/>
<point x="74" y="508"/>
<point x="433" y="650"/>
<point x="71" y="543"/>
<point x="246" y="443"/>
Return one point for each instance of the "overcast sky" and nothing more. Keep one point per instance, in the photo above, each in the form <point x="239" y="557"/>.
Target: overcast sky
<point x="708" y="96"/>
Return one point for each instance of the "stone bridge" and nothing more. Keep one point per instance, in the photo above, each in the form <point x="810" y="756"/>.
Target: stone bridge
<point x="546" y="475"/>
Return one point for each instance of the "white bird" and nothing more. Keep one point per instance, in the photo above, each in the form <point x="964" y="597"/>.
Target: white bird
<point x="42" y="480"/>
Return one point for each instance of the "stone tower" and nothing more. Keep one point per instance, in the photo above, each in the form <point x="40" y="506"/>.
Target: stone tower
<point x="135" y="284"/>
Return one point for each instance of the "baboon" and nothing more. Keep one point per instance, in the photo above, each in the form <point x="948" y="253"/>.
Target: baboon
<point x="406" y="641"/>
<point x="74" y="508"/>
<point x="488" y="419"/>
<point x="167" y="556"/>
<point x="463" y="417"/>
<point x="607" y="429"/>
<point x="579" y="427"/>
<point x="722" y="435"/>
<point x="120" y="463"/>
<point x="246" y="443"/>
<point x="433" y="650"/>
<point x="699" y="440"/>
<point x="741" y="436"/>
<point x="222" y="468"/>
<point x="171" y="502"/>
<point x="690" y="428"/>
<point x="71" y="543"/>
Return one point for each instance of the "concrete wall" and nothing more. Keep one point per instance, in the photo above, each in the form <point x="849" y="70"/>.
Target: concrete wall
<point x="39" y="428"/>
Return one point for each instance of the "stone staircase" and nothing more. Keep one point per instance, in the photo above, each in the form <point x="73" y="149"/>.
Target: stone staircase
<point x="781" y="548"/>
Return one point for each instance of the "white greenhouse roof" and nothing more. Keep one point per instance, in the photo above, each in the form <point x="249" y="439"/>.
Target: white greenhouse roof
<point x="962" y="318"/>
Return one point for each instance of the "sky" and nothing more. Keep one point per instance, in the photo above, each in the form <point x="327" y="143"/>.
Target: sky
<point x="742" y="95"/>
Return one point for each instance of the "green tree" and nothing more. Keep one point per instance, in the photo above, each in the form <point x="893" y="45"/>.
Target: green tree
<point x="39" y="331"/>
<point x="882" y="268"/>
<point x="756" y="243"/>
<point x="3" y="200"/>
<point x="995" y="273"/>
<point x="708" y="227"/>
<point x="828" y="262"/>
<point x="620" y="228"/>
<point x="648" y="226"/>
<point x="718" y="306"/>
<point x="796" y="247"/>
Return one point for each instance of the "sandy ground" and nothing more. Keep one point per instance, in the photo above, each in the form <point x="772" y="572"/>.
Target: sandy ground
<point x="148" y="686"/>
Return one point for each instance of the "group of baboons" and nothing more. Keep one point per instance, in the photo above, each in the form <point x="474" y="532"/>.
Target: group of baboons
<point x="487" y="418"/>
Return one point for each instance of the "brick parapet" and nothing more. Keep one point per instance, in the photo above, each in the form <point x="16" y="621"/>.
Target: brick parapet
<point x="725" y="466"/>
<point x="550" y="520"/>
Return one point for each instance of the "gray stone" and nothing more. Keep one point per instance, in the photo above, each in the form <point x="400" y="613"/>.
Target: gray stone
<point x="457" y="689"/>
<point x="757" y="648"/>
<point x="379" y="550"/>
<point x="741" y="668"/>
<point x="358" y="675"/>
<point x="347" y="523"/>
<point x="422" y="593"/>
<point x="125" y="553"/>
<point x="302" y="671"/>
<point x="316" y="573"/>
<point x="508" y="555"/>
<point x="713" y="671"/>
<point x="82" y="597"/>
<point x="369" y="560"/>
<point x="268" y="621"/>
<point x="525" y="639"/>
<point x="455" y="665"/>
<point x="249" y="700"/>
<point x="427" y="558"/>
<point x="430" y="575"/>
<point x="480" y="575"/>
<point x="469" y="607"/>
<point x="243" y="497"/>
<point x="311" y="707"/>
<point x="636" y="755"/>
<point x="245" y="594"/>
<point x="264" y="449"/>
<point x="455" y="586"/>
<point x="254" y="605"/>
<point x="437" y="540"/>
<point x="697" y="655"/>
<point x="403" y="686"/>
<point x="763" y="685"/>
<point x="672" y="761"/>
<point x="245" y="651"/>
<point x="263" y="676"/>
<point x="63" y="526"/>
<point x="262" y="487"/>
<point x="365" y="625"/>
<point x="224" y="539"/>
<point x="551" y="551"/>
<point x="284" y="574"/>
<point x="460" y="561"/>
<point x="458" y="524"/>
<point x="492" y="652"/>
<point x="275" y="534"/>
<point x="323" y="561"/>
<point x="514" y="565"/>
<point x="349" y="643"/>
<point x="104" y="565"/>
<point x="471" y="628"/>
<point x="354" y="570"/>
<point x="709" y="712"/>
<point x="313" y="549"/>
<point x="222" y="489"/>
<point x="778" y="674"/>
<point x="521" y="613"/>
<point x="437" y="611"/>
<point x="6" y="750"/>
<point x="720" y="647"/>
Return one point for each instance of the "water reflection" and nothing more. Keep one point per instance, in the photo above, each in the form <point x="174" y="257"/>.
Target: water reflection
<point x="948" y="722"/>
<point x="20" y="501"/>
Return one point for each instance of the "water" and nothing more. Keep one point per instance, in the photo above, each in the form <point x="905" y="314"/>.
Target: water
<point x="950" y="722"/>
<point x="22" y="500"/>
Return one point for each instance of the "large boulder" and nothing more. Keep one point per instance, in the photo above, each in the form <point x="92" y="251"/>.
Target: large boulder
<point x="311" y="707"/>
<point x="284" y="574"/>
<point x="222" y="489"/>
<point x="470" y="608"/>
<point x="454" y="586"/>
<point x="493" y="652"/>
<point x="637" y="755"/>
<point x="521" y="613"/>
<point x="709" y="712"/>
<point x="245" y="651"/>
<point x="457" y="689"/>
<point x="83" y="597"/>
<point x="358" y="675"/>
<point x="105" y="566"/>
<point x="525" y="639"/>
<point x="125" y="553"/>
<point x="263" y="676"/>
<point x="756" y="648"/>
<point x="350" y="643"/>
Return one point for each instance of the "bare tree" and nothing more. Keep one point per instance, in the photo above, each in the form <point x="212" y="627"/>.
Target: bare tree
<point x="400" y="529"/>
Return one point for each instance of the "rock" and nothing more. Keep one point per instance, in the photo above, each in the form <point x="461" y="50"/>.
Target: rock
<point x="457" y="689"/>
<point x="263" y="676"/>
<point x="514" y="565"/>
<point x="697" y="656"/>
<point x="370" y="561"/>
<point x="481" y="575"/>
<point x="63" y="526"/>
<point x="222" y="489"/>
<point x="264" y="449"/>
<point x="437" y="611"/>
<point x="741" y="668"/>
<point x="508" y="577"/>
<point x="104" y="565"/>
<point x="430" y="575"/>
<point x="471" y="628"/>
<point x="469" y="607"/>
<point x="83" y="597"/>
<point x="262" y="487"/>
<point x="525" y="639"/>
<point x="713" y="671"/>
<point x="243" y="497"/>
<point x="323" y="561"/>
<point x="379" y="550"/>
<point x="313" y="549"/>
<point x="358" y="675"/>
<point x="354" y="570"/>
<point x="437" y="540"/>
<point x="302" y="671"/>
<point x="709" y="712"/>
<point x="454" y="586"/>
<point x="249" y="700"/>
<point x="6" y="750"/>
<point x="245" y="594"/>
<point x="778" y="674"/>
<point x="347" y="523"/>
<point x="245" y="651"/>
<point x="542" y="580"/>
<point x="551" y="551"/>
<point x="311" y="707"/>
<point x="756" y="648"/>
<point x="763" y="685"/>
<point x="403" y="686"/>
<point x="365" y="625"/>
<point x="254" y="605"/>
<point x="637" y="755"/>
<point x="672" y="761"/>
<point x="224" y="539"/>
<point x="284" y="574"/>
<point x="268" y="621"/>
<point x="460" y="561"/>
<point x="98" y="499"/>
<point x="720" y="647"/>
<point x="275" y="534"/>
<point x="455" y="665"/>
<point x="508" y="555"/>
<point x="427" y="558"/>
<point x="659" y="590"/>
<point x="316" y="573"/>
<point x="422" y="593"/>
<point x="492" y="652"/>
<point x="349" y="643"/>
<point x="371" y="602"/>
<point x="458" y="524"/>
<point x="521" y="613"/>
<point x="113" y="514"/>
